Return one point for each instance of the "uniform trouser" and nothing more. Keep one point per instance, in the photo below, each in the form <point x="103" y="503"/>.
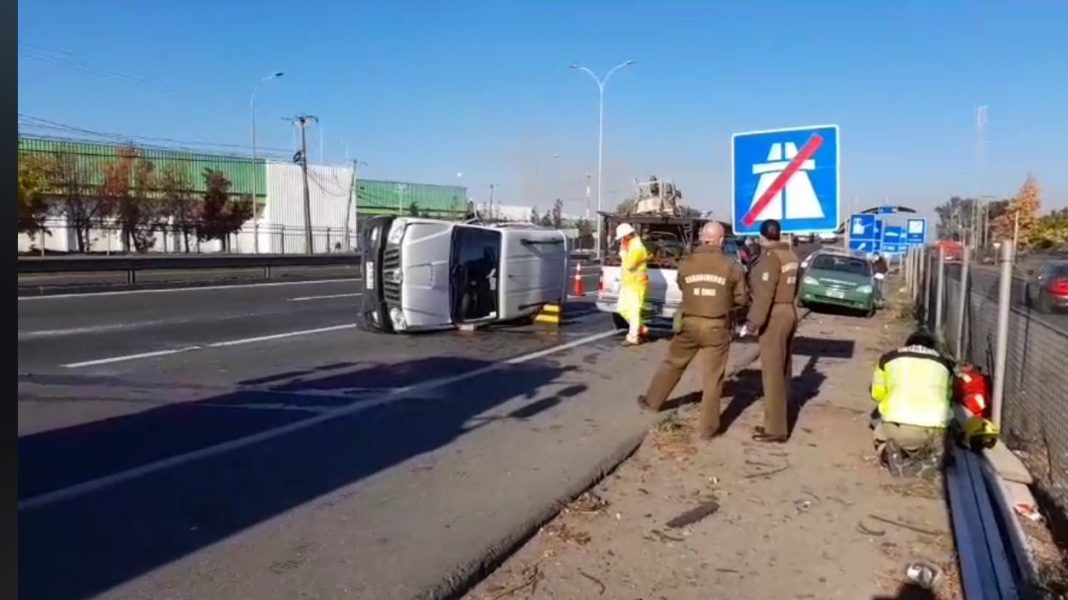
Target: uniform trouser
<point x="910" y="438"/>
<point x="697" y="333"/>
<point x="776" y="367"/>
<point x="631" y="301"/>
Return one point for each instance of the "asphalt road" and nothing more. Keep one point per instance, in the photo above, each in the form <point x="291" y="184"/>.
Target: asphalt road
<point x="986" y="282"/>
<point x="247" y="441"/>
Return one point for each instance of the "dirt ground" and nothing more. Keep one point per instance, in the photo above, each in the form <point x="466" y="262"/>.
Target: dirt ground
<point x="815" y="518"/>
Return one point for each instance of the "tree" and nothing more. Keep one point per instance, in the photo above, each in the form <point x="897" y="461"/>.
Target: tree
<point x="220" y="214"/>
<point x="413" y="209"/>
<point x="1021" y="214"/>
<point x="556" y="217"/>
<point x="586" y="231"/>
<point x="534" y="218"/>
<point x="1051" y="232"/>
<point x="130" y="187"/>
<point x="179" y="204"/>
<point x="627" y="206"/>
<point x="84" y="206"/>
<point x="35" y="172"/>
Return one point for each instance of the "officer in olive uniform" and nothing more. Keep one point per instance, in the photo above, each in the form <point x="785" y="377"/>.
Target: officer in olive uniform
<point x="772" y="315"/>
<point x="713" y="288"/>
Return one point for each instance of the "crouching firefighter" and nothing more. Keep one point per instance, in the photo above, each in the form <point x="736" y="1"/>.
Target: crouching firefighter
<point x="913" y="387"/>
<point x="634" y="282"/>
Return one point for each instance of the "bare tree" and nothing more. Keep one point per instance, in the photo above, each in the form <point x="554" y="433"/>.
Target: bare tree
<point x="83" y="205"/>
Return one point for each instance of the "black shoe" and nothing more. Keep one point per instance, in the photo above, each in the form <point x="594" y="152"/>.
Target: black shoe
<point x="644" y="404"/>
<point x="759" y="435"/>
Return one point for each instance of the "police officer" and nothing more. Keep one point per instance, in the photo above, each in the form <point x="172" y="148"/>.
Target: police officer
<point x="773" y="317"/>
<point x="713" y="288"/>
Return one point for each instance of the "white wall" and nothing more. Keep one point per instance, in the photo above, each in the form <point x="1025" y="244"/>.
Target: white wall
<point x="328" y="190"/>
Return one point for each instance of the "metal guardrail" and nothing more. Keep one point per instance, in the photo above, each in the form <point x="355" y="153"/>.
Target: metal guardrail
<point x="132" y="264"/>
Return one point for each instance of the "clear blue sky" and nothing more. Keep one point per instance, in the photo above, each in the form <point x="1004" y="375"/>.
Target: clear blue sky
<point x="423" y="91"/>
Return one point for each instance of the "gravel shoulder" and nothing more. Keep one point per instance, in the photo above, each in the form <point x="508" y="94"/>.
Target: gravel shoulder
<point x="815" y="518"/>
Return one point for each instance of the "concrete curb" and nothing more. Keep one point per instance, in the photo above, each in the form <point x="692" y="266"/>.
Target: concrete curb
<point x="464" y="578"/>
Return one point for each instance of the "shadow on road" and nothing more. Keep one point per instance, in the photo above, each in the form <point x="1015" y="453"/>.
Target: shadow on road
<point x="909" y="591"/>
<point x="86" y="545"/>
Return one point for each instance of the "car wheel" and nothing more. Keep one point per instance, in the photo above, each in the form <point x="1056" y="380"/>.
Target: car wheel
<point x="870" y="312"/>
<point x="619" y="321"/>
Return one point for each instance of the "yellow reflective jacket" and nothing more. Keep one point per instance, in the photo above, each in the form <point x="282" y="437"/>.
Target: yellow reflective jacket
<point x="634" y="258"/>
<point x="914" y="386"/>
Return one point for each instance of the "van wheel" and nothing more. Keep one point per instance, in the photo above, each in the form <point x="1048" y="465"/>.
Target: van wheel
<point x="619" y="321"/>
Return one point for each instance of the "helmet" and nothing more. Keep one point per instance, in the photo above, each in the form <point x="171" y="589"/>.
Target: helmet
<point x="623" y="230"/>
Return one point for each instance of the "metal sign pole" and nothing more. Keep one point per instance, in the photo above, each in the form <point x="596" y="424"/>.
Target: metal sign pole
<point x="1001" y="350"/>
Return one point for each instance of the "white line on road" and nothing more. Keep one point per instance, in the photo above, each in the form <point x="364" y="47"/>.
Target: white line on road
<point x="306" y="298"/>
<point x="278" y="336"/>
<point x="262" y="338"/>
<point x="93" y="485"/>
<point x="113" y="359"/>
<point x="185" y="289"/>
<point x="40" y="333"/>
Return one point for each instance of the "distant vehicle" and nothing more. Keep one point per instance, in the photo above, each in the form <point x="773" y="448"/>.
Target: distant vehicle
<point x="952" y="251"/>
<point x="427" y="274"/>
<point x="827" y="238"/>
<point x="834" y="279"/>
<point x="1047" y="290"/>
<point x="804" y="238"/>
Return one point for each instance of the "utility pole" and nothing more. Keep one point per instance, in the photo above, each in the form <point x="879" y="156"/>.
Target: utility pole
<point x="588" y="176"/>
<point x="303" y="120"/>
<point x="492" y="187"/>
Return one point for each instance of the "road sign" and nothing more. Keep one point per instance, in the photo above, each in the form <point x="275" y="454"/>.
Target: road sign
<point x="916" y="232"/>
<point x="887" y="210"/>
<point x="893" y="239"/>
<point x="864" y="245"/>
<point x="787" y="174"/>
<point x="862" y="227"/>
<point x="879" y="230"/>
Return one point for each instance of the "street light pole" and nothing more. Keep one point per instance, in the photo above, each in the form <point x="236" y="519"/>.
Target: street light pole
<point x="600" y="138"/>
<point x="255" y="173"/>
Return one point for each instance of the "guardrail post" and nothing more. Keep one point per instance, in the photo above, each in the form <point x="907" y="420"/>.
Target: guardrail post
<point x="1001" y="350"/>
<point x="940" y="290"/>
<point x="964" y="300"/>
<point x="328" y="240"/>
<point x="283" y="238"/>
<point x="266" y="271"/>
<point x="131" y="277"/>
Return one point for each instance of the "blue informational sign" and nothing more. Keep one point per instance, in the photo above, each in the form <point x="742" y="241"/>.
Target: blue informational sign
<point x="790" y="175"/>
<point x="879" y="230"/>
<point x="887" y="210"/>
<point x="868" y="246"/>
<point x="893" y="239"/>
<point x="916" y="232"/>
<point x="862" y="227"/>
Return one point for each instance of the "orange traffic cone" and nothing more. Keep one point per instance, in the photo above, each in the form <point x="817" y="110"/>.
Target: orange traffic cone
<point x="579" y="288"/>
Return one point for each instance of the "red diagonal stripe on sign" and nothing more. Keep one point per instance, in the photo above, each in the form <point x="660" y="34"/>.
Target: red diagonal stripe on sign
<point x="804" y="154"/>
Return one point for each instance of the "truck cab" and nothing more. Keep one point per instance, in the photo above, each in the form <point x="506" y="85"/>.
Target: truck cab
<point x="427" y="274"/>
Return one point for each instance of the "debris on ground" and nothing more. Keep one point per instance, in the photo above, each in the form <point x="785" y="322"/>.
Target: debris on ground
<point x="923" y="574"/>
<point x="706" y="508"/>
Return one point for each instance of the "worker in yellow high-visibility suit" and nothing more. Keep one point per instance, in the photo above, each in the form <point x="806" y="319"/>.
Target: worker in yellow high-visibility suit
<point x="633" y="282"/>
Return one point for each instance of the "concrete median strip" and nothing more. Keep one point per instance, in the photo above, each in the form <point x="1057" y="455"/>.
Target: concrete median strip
<point x="107" y="481"/>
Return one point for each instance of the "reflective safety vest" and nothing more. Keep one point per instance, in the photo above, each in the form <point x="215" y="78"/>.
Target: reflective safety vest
<point x="914" y="386"/>
<point x="634" y="257"/>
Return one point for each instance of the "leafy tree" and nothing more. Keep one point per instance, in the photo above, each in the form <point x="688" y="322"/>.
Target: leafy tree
<point x="130" y="187"/>
<point x="1051" y="231"/>
<point x="35" y="172"/>
<point x="220" y="214"/>
<point x="534" y="218"/>
<point x="586" y="232"/>
<point x="413" y="209"/>
<point x="179" y="203"/>
<point x="1022" y="212"/>
<point x="85" y="207"/>
<point x="627" y="206"/>
<point x="556" y="217"/>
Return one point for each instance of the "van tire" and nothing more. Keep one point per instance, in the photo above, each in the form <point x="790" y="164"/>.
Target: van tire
<point x="619" y="321"/>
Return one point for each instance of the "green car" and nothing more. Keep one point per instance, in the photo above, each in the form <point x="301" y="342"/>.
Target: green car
<point x="838" y="280"/>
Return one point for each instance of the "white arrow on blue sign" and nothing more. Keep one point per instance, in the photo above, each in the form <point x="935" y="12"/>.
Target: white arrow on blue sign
<point x="790" y="175"/>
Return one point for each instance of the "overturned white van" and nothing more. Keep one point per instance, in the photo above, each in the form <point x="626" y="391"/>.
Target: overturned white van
<point x="425" y="274"/>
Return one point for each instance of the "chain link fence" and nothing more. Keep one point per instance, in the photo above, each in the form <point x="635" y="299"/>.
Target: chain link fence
<point x="960" y="302"/>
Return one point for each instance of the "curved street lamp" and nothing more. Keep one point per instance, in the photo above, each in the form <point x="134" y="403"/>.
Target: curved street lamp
<point x="255" y="175"/>
<point x="600" y="138"/>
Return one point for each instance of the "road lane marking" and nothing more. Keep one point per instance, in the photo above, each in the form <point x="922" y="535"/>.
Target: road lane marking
<point x="185" y="289"/>
<point x="252" y="340"/>
<point x="40" y="333"/>
<point x="115" y="359"/>
<point x="278" y="336"/>
<point x="306" y="298"/>
<point x="100" y="483"/>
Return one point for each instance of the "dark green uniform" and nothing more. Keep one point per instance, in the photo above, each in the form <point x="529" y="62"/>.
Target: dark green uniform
<point x="713" y="288"/>
<point x="772" y="314"/>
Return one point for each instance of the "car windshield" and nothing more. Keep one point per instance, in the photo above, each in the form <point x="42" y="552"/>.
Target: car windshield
<point x="841" y="264"/>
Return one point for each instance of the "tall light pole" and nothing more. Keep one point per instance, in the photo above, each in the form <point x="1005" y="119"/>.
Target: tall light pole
<point x="600" y="138"/>
<point x="255" y="174"/>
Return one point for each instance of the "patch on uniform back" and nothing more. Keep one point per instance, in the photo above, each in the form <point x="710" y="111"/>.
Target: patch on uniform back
<point x="765" y="276"/>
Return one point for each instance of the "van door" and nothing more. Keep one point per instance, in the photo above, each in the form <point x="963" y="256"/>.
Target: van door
<point x="424" y="259"/>
<point x="533" y="270"/>
<point x="475" y="274"/>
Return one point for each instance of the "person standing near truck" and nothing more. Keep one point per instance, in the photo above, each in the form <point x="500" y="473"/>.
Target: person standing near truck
<point x="713" y="289"/>
<point x="634" y="281"/>
<point x="773" y="316"/>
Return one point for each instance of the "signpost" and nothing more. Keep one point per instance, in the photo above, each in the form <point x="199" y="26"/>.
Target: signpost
<point x="791" y="175"/>
<point x="864" y="233"/>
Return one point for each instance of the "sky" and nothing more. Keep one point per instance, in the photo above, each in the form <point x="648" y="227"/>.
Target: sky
<point x="476" y="93"/>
